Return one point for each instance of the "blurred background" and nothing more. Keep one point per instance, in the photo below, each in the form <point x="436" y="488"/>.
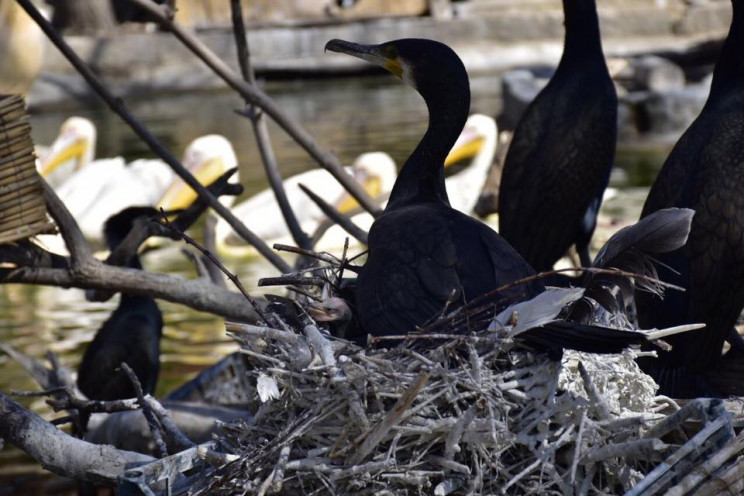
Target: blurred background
<point x="660" y="53"/>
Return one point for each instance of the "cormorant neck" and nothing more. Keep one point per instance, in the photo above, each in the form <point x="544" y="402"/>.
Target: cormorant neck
<point x="422" y="177"/>
<point x="728" y="74"/>
<point x="582" y="42"/>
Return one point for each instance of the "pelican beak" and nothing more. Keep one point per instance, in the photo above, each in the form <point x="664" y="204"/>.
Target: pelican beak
<point x="180" y="195"/>
<point x="371" y="184"/>
<point x="468" y="145"/>
<point x="385" y="55"/>
<point x="64" y="149"/>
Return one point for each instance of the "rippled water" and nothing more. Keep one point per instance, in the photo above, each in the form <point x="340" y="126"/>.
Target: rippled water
<point x="347" y="116"/>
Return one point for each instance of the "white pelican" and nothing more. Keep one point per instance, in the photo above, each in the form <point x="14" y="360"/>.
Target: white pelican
<point x="207" y="158"/>
<point x="261" y="214"/>
<point x="73" y="149"/>
<point x="477" y="140"/>
<point x="376" y="172"/>
<point x="104" y="187"/>
<point x="21" y="49"/>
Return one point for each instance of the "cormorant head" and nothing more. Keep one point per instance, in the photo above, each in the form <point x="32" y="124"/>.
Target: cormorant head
<point x="431" y="67"/>
<point x="118" y="225"/>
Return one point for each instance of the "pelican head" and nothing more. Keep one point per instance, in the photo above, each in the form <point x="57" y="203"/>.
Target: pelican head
<point x="376" y="172"/>
<point x="73" y="149"/>
<point x="477" y="142"/>
<point x="207" y="158"/>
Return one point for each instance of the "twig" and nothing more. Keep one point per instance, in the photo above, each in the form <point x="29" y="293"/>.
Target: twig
<point x="233" y="278"/>
<point x="644" y="449"/>
<point x="118" y="106"/>
<point x="307" y="294"/>
<point x="322" y="256"/>
<point x="281" y="464"/>
<point x="261" y="130"/>
<point x="261" y="332"/>
<point x="182" y="442"/>
<point x="256" y="96"/>
<point x="336" y="216"/>
<point x="297" y="280"/>
<point x="373" y="437"/>
<point x="152" y="420"/>
<point x="598" y="402"/>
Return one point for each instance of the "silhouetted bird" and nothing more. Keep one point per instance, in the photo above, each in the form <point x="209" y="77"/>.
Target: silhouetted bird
<point x="424" y="256"/>
<point x="558" y="164"/>
<point x="132" y="333"/>
<point x="704" y="172"/>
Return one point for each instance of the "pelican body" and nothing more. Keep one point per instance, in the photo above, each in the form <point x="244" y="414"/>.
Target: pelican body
<point x="559" y="161"/>
<point x="704" y="172"/>
<point x="21" y="49"/>
<point x="94" y="190"/>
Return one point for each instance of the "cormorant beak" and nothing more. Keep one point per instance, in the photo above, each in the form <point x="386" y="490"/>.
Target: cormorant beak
<point x="66" y="148"/>
<point x="180" y="195"/>
<point x="384" y="55"/>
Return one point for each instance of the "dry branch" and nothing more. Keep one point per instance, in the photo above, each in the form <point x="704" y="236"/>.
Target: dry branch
<point x="257" y="97"/>
<point x="61" y="453"/>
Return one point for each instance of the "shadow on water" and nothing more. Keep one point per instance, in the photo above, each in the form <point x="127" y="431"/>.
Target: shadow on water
<point x="348" y="117"/>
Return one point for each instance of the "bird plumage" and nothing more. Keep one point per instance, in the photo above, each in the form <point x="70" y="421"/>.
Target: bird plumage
<point x="559" y="160"/>
<point x="423" y="254"/>
<point x="704" y="172"/>
<point x="132" y="333"/>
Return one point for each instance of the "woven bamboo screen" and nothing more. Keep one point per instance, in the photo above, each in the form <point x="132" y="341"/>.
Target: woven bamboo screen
<point x="22" y="208"/>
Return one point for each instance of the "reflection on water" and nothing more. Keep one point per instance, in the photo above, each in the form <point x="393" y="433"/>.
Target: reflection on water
<point x="347" y="116"/>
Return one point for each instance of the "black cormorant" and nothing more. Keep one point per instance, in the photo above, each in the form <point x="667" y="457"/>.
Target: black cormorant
<point x="559" y="160"/>
<point x="424" y="255"/>
<point x="132" y="333"/>
<point x="705" y="172"/>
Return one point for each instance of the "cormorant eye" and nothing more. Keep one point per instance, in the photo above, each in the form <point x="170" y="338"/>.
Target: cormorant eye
<point x="390" y="51"/>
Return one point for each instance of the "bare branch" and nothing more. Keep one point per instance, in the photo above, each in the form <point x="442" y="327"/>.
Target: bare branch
<point x="336" y="216"/>
<point x="261" y="131"/>
<point x="61" y="453"/>
<point x="256" y="96"/>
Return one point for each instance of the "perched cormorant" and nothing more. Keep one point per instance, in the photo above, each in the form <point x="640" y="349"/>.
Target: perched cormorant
<point x="423" y="254"/>
<point x="704" y="172"/>
<point x="132" y="333"/>
<point x="559" y="160"/>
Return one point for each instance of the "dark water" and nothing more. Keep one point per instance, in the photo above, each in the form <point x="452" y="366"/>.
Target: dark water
<point x="347" y="116"/>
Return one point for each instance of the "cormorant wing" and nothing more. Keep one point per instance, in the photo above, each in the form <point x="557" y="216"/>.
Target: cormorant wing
<point x="554" y="165"/>
<point x="413" y="274"/>
<point x="122" y="339"/>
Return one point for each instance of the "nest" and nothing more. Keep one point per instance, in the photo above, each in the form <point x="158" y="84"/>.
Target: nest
<point x="479" y="414"/>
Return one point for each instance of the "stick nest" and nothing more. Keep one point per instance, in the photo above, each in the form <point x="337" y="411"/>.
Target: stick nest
<point x="479" y="414"/>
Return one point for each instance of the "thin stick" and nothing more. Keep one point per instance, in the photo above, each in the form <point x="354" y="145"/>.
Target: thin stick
<point x="322" y="256"/>
<point x="118" y="106"/>
<point x="152" y="420"/>
<point x="256" y="96"/>
<point x="336" y="216"/>
<point x="261" y="130"/>
<point x="233" y="278"/>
